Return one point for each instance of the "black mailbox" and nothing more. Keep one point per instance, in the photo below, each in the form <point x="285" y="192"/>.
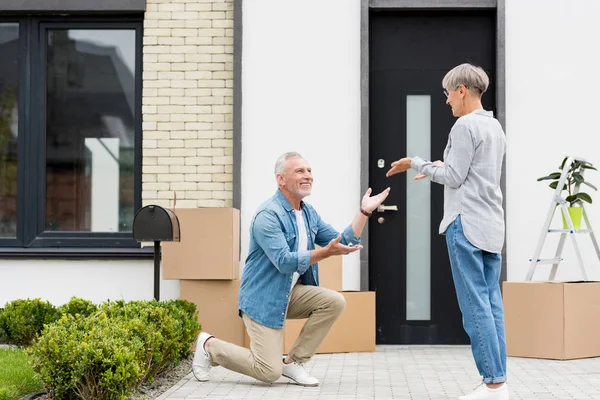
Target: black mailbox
<point x="155" y="224"/>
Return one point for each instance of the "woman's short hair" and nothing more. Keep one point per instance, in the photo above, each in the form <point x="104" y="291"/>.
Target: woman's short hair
<point x="469" y="75"/>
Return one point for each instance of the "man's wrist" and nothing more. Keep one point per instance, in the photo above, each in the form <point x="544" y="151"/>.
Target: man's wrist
<point x="326" y="252"/>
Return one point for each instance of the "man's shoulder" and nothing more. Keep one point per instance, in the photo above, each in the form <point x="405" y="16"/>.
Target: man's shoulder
<point x="271" y="204"/>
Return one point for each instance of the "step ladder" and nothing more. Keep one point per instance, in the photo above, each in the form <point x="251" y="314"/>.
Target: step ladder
<point x="557" y="201"/>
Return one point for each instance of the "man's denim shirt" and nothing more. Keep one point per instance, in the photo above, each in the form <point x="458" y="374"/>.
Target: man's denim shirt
<point x="273" y="257"/>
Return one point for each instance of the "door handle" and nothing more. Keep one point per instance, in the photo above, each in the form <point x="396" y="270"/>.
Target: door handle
<point x="383" y="208"/>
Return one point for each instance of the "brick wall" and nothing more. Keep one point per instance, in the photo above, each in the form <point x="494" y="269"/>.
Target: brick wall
<point x="187" y="103"/>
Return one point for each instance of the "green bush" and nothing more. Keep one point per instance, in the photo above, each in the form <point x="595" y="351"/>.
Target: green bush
<point x="3" y="337"/>
<point x="77" y="306"/>
<point x="154" y="327"/>
<point x="188" y="327"/>
<point x="93" y="357"/>
<point x="166" y="329"/>
<point x="22" y="320"/>
<point x="103" y="354"/>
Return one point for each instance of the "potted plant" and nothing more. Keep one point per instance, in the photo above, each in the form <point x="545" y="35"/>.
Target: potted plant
<point x="575" y="200"/>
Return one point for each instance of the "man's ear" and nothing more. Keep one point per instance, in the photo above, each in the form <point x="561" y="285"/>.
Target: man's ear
<point x="280" y="180"/>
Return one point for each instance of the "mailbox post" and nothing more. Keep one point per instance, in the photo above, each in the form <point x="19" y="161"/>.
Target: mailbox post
<point x="155" y="224"/>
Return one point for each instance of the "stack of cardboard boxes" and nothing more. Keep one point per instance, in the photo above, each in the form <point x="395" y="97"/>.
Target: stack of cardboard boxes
<point x="206" y="261"/>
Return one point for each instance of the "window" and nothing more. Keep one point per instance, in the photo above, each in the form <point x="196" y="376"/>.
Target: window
<point x="70" y="133"/>
<point x="9" y="122"/>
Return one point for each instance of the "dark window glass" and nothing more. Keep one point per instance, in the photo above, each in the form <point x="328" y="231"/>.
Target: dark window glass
<point x="90" y="129"/>
<point x="9" y="118"/>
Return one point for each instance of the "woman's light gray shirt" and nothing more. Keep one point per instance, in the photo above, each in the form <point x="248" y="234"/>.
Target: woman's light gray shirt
<point x="471" y="178"/>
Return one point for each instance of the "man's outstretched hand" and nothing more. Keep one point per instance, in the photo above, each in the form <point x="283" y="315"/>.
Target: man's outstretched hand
<point x="370" y="203"/>
<point x="335" y="248"/>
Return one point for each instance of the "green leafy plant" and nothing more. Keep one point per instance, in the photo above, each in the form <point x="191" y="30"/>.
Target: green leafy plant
<point x="22" y="320"/>
<point x="188" y="327"/>
<point x="574" y="176"/>
<point x="104" y="352"/>
<point x="93" y="357"/>
<point x="3" y="337"/>
<point x="167" y="330"/>
<point x="151" y="324"/>
<point x="78" y="306"/>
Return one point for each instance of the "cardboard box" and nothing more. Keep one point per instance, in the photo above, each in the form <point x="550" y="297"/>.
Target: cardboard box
<point x="217" y="304"/>
<point x="330" y="273"/>
<point x="353" y="332"/>
<point x="555" y="320"/>
<point x="209" y="246"/>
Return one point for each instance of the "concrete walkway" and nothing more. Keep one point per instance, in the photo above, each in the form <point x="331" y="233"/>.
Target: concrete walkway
<point x="403" y="372"/>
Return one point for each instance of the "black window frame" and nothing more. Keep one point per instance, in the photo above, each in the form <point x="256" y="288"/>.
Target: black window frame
<point x="32" y="239"/>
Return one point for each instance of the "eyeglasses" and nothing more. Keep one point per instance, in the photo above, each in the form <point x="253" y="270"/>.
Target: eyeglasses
<point x="467" y="87"/>
<point x="448" y="94"/>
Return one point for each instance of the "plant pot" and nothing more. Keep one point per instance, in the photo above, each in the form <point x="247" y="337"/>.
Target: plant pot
<point x="575" y="213"/>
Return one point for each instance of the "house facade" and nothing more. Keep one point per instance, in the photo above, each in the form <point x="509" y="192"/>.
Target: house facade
<point x="110" y="105"/>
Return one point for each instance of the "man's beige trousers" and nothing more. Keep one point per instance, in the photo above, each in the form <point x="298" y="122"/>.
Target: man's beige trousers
<point x="263" y="361"/>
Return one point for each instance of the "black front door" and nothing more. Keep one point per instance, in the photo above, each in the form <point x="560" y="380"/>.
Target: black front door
<point x="410" y="52"/>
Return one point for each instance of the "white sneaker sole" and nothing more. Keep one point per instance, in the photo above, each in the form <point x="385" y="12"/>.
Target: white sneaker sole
<point x="300" y="383"/>
<point x="202" y="377"/>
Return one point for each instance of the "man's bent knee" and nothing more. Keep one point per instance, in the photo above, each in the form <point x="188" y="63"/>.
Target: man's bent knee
<point x="269" y="374"/>
<point x="338" y="302"/>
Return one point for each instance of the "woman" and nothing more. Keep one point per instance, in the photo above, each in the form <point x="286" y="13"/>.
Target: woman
<point x="473" y="220"/>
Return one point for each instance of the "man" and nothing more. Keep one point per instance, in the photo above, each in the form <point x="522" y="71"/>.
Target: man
<point x="281" y="279"/>
<point x="473" y="220"/>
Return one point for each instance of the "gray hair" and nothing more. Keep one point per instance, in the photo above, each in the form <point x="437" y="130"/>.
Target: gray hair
<point x="469" y="75"/>
<point x="282" y="158"/>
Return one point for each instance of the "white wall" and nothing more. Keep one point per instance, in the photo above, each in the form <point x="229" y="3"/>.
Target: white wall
<point x="552" y="98"/>
<point x="301" y="92"/>
<point x="58" y="280"/>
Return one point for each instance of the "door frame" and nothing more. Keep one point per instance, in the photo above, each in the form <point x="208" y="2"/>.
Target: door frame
<point x="366" y="6"/>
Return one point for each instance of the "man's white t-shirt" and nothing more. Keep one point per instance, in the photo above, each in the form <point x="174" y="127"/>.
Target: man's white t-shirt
<point x="302" y="240"/>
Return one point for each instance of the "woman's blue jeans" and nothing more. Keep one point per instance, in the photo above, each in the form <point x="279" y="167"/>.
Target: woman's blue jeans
<point x="476" y="275"/>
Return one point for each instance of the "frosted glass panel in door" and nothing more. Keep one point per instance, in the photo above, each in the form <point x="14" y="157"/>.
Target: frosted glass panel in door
<point x="418" y="211"/>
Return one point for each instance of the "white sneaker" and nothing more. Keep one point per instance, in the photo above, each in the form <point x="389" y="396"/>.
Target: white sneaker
<point x="485" y="393"/>
<point x="297" y="373"/>
<point x="201" y="363"/>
